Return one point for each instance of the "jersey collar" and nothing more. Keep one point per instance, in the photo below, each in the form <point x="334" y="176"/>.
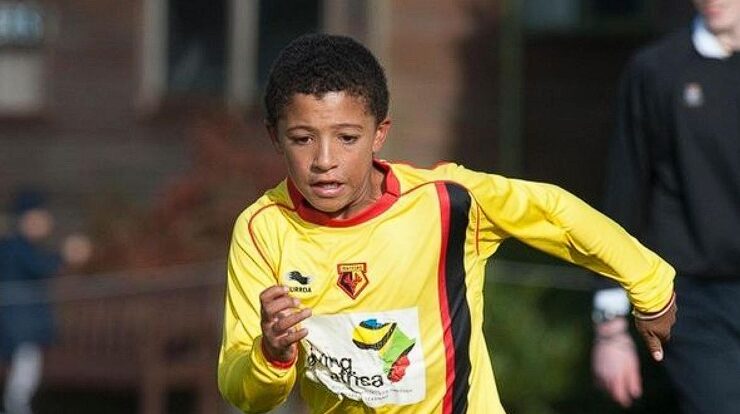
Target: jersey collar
<point x="391" y="191"/>
<point x="705" y="42"/>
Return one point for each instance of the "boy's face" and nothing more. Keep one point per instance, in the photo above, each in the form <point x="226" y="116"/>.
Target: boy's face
<point x="328" y="144"/>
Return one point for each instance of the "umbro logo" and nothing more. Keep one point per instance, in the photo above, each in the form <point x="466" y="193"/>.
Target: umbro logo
<point x="303" y="280"/>
<point x="298" y="277"/>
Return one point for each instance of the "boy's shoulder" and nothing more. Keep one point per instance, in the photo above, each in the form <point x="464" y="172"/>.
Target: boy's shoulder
<point x="481" y="185"/>
<point x="410" y="176"/>
<point x="269" y="203"/>
<point x="413" y="175"/>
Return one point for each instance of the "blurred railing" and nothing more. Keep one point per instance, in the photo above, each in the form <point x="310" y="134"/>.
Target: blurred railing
<point x="157" y="331"/>
<point x="557" y="275"/>
<point x="152" y="331"/>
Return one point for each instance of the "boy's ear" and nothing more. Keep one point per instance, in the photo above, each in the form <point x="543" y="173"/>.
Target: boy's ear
<point x="381" y="133"/>
<point x="272" y="132"/>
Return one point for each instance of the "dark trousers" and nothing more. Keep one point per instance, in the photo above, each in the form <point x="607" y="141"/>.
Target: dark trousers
<point x="703" y="356"/>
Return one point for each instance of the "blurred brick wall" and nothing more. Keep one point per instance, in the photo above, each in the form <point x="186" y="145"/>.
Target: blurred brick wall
<point x="443" y="68"/>
<point x="424" y="77"/>
<point x="90" y="139"/>
<point x="442" y="62"/>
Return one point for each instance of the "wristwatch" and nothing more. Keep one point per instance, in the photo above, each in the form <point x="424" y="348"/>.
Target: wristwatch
<point x="609" y="304"/>
<point x="604" y="315"/>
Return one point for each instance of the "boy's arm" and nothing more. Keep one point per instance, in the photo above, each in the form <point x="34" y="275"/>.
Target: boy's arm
<point x="550" y="219"/>
<point x="246" y="377"/>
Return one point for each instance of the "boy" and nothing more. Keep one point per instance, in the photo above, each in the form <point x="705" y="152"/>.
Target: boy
<point x="364" y="278"/>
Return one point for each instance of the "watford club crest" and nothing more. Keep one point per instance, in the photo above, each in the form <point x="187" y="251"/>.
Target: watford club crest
<point x="352" y="278"/>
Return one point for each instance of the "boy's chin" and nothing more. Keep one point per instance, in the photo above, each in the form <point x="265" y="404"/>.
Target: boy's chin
<point x="332" y="210"/>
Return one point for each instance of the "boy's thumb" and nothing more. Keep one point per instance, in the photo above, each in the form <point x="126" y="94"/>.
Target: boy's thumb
<point x="656" y="349"/>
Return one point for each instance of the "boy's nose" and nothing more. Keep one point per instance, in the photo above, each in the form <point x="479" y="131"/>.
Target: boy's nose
<point x="325" y="158"/>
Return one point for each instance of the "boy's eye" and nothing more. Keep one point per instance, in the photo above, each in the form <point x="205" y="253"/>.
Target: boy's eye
<point x="348" y="139"/>
<point x="301" y="140"/>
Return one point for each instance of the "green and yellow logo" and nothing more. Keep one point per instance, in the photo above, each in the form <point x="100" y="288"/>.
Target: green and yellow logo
<point x="391" y="343"/>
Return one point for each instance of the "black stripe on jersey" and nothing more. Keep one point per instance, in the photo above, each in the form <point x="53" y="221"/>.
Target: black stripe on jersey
<point x="456" y="293"/>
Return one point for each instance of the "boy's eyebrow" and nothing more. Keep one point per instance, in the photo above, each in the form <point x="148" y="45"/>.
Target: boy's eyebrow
<point x="299" y="127"/>
<point x="348" y="125"/>
<point x="337" y="126"/>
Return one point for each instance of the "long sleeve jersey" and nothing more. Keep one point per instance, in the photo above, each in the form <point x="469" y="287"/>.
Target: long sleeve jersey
<point x="396" y="292"/>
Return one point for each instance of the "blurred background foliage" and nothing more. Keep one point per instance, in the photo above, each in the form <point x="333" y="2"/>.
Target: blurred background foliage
<point x="536" y="346"/>
<point x="538" y="328"/>
<point x="231" y="164"/>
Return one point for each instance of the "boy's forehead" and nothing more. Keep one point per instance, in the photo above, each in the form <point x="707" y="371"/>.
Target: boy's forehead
<point x="326" y="95"/>
<point x="334" y="100"/>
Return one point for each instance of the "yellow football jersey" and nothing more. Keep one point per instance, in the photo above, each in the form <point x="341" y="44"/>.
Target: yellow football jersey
<point x="396" y="291"/>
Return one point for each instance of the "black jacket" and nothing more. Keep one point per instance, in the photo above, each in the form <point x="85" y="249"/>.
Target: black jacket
<point x="674" y="170"/>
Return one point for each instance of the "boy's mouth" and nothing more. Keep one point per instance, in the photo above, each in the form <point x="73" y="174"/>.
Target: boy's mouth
<point x="326" y="188"/>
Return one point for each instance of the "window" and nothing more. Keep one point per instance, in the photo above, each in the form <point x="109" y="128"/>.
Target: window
<point x="224" y="48"/>
<point x="196" y="61"/>
<point x="280" y="22"/>
<point x="585" y="15"/>
<point x="21" y="58"/>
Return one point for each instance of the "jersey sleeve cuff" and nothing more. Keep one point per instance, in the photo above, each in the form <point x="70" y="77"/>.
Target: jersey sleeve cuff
<point x="280" y="365"/>
<point x="655" y="315"/>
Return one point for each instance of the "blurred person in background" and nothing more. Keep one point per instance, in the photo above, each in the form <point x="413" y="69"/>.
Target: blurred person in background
<point x="674" y="181"/>
<point x="26" y="320"/>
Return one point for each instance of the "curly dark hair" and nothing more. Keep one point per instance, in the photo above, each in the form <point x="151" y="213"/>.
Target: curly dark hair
<point x="315" y="64"/>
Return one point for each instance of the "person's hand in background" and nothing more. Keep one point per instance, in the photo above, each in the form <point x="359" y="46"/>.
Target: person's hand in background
<point x="76" y="249"/>
<point x="615" y="363"/>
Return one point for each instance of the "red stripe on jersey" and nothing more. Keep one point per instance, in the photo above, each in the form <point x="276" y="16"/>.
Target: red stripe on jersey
<point x="444" y="205"/>
<point x="254" y="240"/>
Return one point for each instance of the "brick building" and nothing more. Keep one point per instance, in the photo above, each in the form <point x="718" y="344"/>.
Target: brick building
<point x="96" y="95"/>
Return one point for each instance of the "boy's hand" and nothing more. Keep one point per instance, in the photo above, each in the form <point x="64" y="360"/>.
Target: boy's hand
<point x="280" y="316"/>
<point x="655" y="329"/>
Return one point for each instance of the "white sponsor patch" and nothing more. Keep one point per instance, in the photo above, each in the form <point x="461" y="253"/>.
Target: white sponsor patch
<point x="375" y="357"/>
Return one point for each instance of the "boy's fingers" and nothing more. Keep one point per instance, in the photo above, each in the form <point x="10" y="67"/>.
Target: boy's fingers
<point x="280" y="307"/>
<point x="280" y="315"/>
<point x="653" y="343"/>
<point x="287" y="322"/>
<point x="276" y="303"/>
<point x="287" y="339"/>
<point x="272" y="293"/>
<point x="655" y="347"/>
<point x="295" y="335"/>
<point x="656" y="329"/>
